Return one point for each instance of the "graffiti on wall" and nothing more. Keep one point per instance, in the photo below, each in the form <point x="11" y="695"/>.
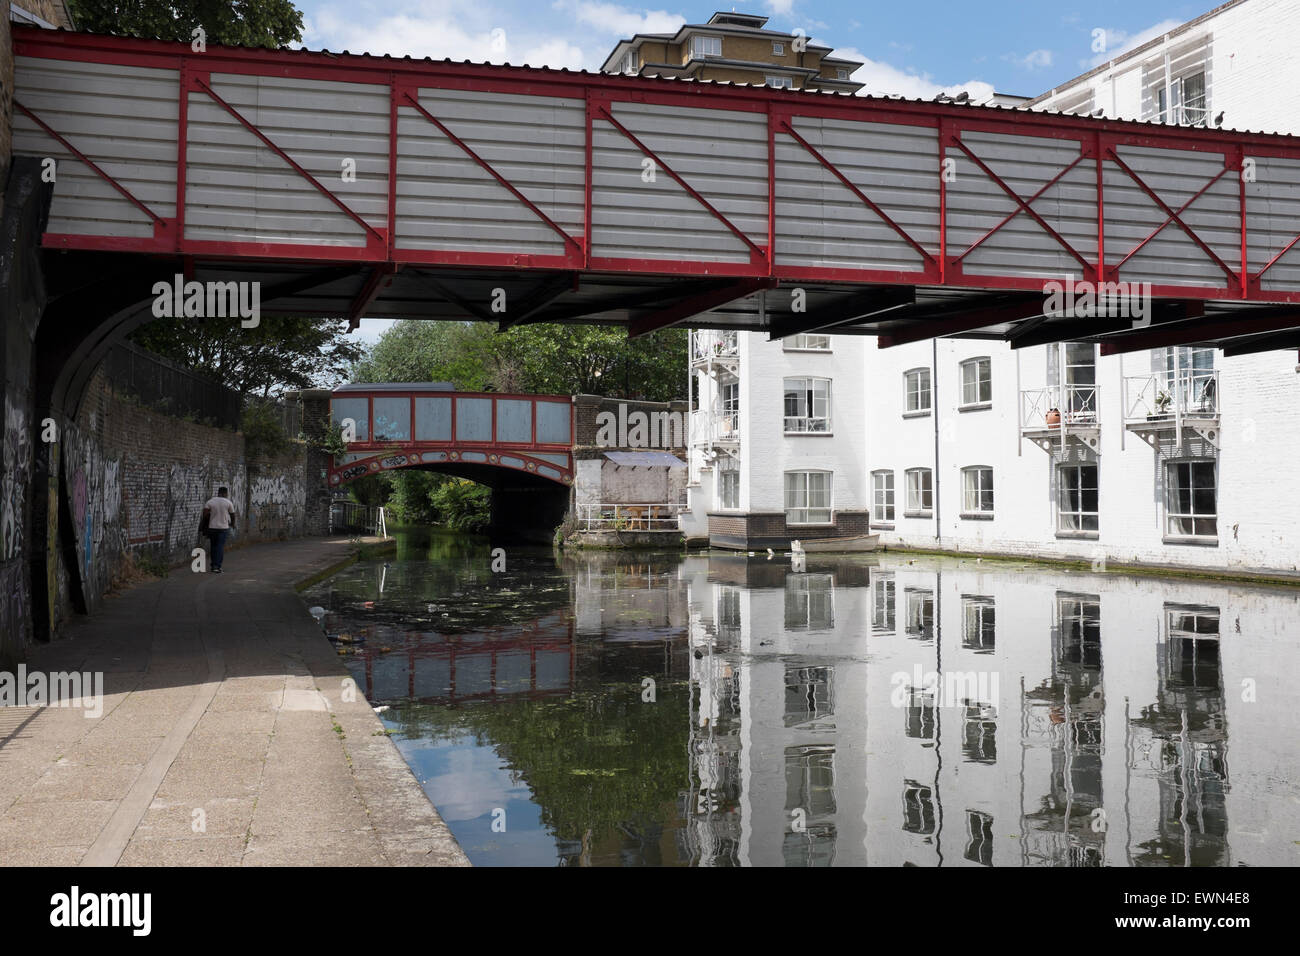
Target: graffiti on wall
<point x="16" y="475"/>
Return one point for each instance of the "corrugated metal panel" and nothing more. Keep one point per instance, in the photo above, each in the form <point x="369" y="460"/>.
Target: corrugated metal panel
<point x="124" y="118"/>
<point x="1273" y="212"/>
<point x="721" y="153"/>
<point x="238" y="189"/>
<point x="445" y="200"/>
<point x="821" y="223"/>
<point x="1025" y="164"/>
<point x="1172" y="257"/>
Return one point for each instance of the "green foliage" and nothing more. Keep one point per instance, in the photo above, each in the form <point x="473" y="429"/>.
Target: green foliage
<point x="280" y="352"/>
<point x="410" y="496"/>
<point x="266" y="23"/>
<point x="462" y="505"/>
<point x="263" y="430"/>
<point x="550" y="359"/>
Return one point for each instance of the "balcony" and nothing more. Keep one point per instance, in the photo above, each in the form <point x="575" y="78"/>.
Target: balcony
<point x="1051" y="416"/>
<point x="710" y="347"/>
<point x="715" y="427"/>
<point x="1159" y="405"/>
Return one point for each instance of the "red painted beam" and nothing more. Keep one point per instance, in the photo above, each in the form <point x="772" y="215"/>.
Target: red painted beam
<point x="1203" y="331"/>
<point x="948" y="323"/>
<point x="694" y="305"/>
<point x="380" y="276"/>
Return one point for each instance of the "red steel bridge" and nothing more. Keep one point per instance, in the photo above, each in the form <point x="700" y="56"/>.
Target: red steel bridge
<point x="471" y="434"/>
<point x="356" y="185"/>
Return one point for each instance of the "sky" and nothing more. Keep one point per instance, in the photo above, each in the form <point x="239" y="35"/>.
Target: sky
<point x="916" y="49"/>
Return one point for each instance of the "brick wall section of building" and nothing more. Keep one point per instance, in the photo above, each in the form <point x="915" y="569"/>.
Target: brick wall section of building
<point x="136" y="481"/>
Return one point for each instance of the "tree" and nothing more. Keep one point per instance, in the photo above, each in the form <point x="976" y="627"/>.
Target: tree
<point x="280" y="352"/>
<point x="554" y="359"/>
<point x="267" y="23"/>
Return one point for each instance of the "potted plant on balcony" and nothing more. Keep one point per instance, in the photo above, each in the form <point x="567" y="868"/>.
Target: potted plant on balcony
<point x="1163" y="401"/>
<point x="1053" y="417"/>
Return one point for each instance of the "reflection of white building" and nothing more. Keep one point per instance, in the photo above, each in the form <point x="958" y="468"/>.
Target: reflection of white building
<point x="1129" y="725"/>
<point x="1166" y="455"/>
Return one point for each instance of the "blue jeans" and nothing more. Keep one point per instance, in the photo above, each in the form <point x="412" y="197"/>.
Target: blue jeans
<point x="217" y="538"/>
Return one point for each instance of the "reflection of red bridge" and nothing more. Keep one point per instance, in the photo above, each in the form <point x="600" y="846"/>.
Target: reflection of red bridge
<point x="464" y="433"/>
<point x="532" y="660"/>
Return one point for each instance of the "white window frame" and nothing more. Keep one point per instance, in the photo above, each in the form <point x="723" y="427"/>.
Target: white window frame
<point x="728" y="484"/>
<point x="1193" y="115"/>
<point x="1078" y="516"/>
<point x="918" y="392"/>
<point x="920" y="493"/>
<point x="705" y="46"/>
<point x="841" y="73"/>
<point x="803" y="342"/>
<point x="979" y="623"/>
<point x="807" y="513"/>
<point x="630" y="64"/>
<point x="982" y="486"/>
<point x="808" y="423"/>
<point x="779" y="82"/>
<point x="882" y="496"/>
<point x="1197" y="519"/>
<point x="778" y="48"/>
<point x="981" y="382"/>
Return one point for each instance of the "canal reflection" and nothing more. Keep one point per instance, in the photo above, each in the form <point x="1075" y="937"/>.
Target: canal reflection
<point x="619" y="709"/>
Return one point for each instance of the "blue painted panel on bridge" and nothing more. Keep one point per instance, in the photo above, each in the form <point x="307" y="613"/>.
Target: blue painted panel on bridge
<point x="392" y="419"/>
<point x="514" y="420"/>
<point x="553" y="423"/>
<point x="473" y="419"/>
<point x="433" y="419"/>
<point x="357" y="409"/>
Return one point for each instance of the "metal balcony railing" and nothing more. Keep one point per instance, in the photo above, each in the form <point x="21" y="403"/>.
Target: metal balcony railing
<point x="627" y="516"/>
<point x="709" y="344"/>
<point x="1159" y="397"/>
<point x="714" y="427"/>
<point x="1056" y="405"/>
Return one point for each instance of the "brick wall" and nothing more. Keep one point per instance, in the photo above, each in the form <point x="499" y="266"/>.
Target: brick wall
<point x="136" y="480"/>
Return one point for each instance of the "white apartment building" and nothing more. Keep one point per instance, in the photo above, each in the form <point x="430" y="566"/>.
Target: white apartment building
<point x="1174" y="456"/>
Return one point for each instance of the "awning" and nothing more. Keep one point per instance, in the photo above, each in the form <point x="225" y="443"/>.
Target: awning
<point x="649" y="459"/>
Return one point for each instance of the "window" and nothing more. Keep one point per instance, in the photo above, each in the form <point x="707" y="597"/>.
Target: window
<point x="1194" y="100"/>
<point x="728" y="483"/>
<point x="729" y="400"/>
<point x="1191" y="505"/>
<point x="1189" y="379"/>
<point x="977" y="490"/>
<point x="809" y="602"/>
<point x="1077" y="499"/>
<point x="920" y="613"/>
<point x="978" y="624"/>
<point x="976" y="382"/>
<point x="920" y="494"/>
<point x="808" y="497"/>
<point x="630" y="62"/>
<point x="810" y="779"/>
<point x="920" y="715"/>
<point x="706" y="46"/>
<point x="979" y="838"/>
<point x="781" y="82"/>
<point x="1162" y="105"/>
<point x="809" y="694"/>
<point x="841" y="74"/>
<point x="806" y="342"/>
<point x="778" y="49"/>
<point x="917" y="385"/>
<point x="882" y="604"/>
<point x="807" y="406"/>
<point x="980" y="734"/>
<point x="882" y="495"/>
<point x="918" y="808"/>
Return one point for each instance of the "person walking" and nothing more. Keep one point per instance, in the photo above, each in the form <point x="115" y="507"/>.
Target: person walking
<point x="219" y="519"/>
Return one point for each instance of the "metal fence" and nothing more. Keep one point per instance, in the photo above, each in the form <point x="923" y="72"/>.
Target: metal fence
<point x="350" y="517"/>
<point x="168" y="388"/>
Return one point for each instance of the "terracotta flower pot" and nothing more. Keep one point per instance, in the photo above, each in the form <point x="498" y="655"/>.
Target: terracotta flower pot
<point x="1053" y="418"/>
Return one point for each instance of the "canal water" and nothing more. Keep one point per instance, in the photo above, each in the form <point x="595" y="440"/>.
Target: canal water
<point x="620" y="709"/>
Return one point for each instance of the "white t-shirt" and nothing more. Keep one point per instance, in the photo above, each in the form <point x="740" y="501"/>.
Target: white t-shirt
<point x="220" y="511"/>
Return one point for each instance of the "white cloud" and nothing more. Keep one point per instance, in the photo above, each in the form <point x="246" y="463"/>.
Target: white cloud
<point x="455" y="29"/>
<point x="618" y="21"/>
<point x="780" y="8"/>
<point x="1033" y="60"/>
<point x="881" y="79"/>
<point x="1119" y="42"/>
